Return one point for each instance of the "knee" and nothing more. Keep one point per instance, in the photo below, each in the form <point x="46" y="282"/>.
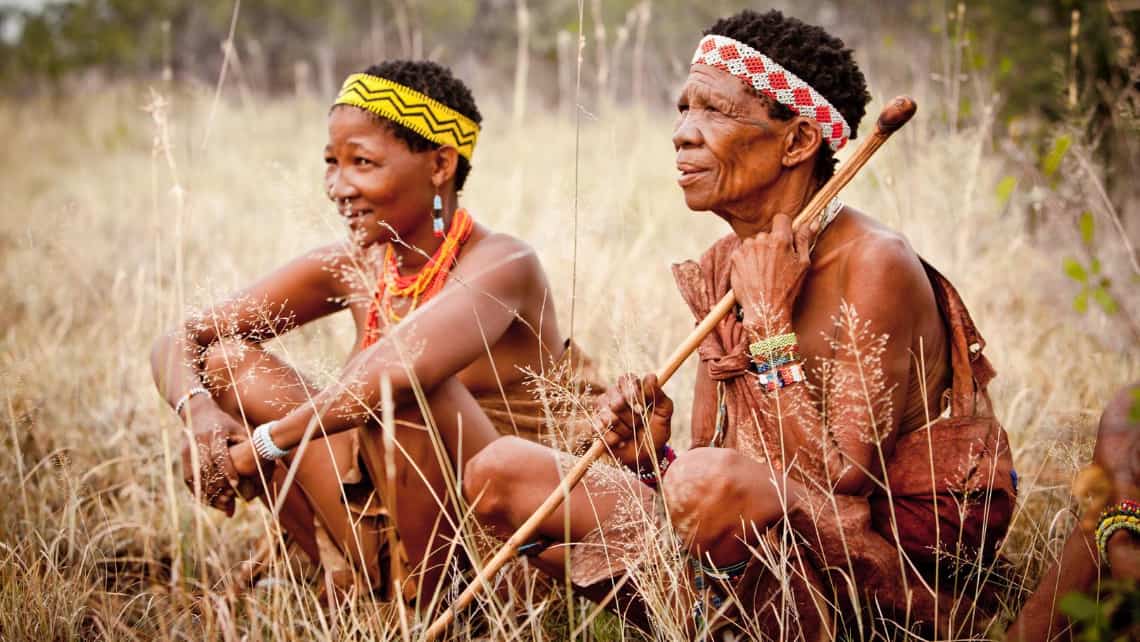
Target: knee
<point x="224" y="359"/>
<point x="224" y="363"/>
<point x="227" y="361"/>
<point x="705" y="499"/>
<point x="489" y="476"/>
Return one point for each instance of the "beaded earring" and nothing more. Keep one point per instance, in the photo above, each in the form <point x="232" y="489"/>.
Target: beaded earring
<point x="437" y="216"/>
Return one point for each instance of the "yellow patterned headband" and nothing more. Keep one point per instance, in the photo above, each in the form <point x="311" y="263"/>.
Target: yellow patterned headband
<point x="422" y="114"/>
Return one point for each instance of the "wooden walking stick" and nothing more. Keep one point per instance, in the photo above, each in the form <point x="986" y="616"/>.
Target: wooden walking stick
<point x="894" y="115"/>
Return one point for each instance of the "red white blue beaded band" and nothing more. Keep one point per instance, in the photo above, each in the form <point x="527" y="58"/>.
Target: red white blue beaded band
<point x="781" y="376"/>
<point x="770" y="78"/>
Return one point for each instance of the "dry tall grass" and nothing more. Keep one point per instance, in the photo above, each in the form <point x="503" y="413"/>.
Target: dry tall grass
<point x="105" y="241"/>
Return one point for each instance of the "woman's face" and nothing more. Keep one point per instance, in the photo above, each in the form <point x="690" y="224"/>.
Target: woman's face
<point x="728" y="148"/>
<point x="378" y="184"/>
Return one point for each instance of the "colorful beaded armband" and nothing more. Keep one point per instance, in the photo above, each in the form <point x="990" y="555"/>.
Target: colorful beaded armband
<point x="781" y="343"/>
<point x="776" y="361"/>
<point x="1124" y="515"/>
<point x="780" y="377"/>
<point x="760" y="367"/>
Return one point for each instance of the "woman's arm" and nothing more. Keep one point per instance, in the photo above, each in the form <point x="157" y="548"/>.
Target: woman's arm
<point x="866" y="390"/>
<point x="481" y="300"/>
<point x="865" y="382"/>
<point x="304" y="289"/>
<point x="1079" y="567"/>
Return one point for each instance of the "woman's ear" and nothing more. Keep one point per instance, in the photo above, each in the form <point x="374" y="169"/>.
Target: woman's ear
<point x="802" y="141"/>
<point x="444" y="162"/>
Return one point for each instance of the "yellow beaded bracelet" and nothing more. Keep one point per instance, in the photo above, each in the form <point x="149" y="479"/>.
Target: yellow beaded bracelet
<point x="1124" y="515"/>
<point x="770" y="345"/>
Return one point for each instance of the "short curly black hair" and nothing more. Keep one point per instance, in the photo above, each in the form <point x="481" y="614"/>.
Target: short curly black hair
<point x="818" y="58"/>
<point x="436" y="81"/>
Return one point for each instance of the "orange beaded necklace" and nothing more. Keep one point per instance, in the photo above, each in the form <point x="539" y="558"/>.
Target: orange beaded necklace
<point x="422" y="285"/>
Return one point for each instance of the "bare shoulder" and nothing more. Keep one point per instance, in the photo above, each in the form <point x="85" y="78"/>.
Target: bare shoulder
<point x="877" y="259"/>
<point x="334" y="256"/>
<point x="1119" y="413"/>
<point x="500" y="258"/>
<point x="335" y="269"/>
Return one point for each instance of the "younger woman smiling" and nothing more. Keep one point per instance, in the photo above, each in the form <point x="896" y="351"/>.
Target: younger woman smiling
<point x="441" y="305"/>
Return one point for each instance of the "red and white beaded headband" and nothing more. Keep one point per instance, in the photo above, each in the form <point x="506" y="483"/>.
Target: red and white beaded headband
<point x="766" y="75"/>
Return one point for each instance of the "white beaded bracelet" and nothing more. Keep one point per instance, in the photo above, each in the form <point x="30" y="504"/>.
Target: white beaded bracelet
<point x="263" y="444"/>
<point x="187" y="396"/>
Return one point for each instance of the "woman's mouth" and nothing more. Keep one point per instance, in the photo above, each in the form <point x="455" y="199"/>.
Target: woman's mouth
<point x="688" y="174"/>
<point x="353" y="214"/>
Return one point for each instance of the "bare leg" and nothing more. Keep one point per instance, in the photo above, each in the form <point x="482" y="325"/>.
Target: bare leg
<point x="509" y="480"/>
<point x="255" y="386"/>
<point x="425" y="508"/>
<point x="720" y="499"/>
<point x="722" y="504"/>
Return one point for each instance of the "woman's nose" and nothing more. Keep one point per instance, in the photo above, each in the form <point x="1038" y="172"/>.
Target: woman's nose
<point x="686" y="133"/>
<point x="339" y="187"/>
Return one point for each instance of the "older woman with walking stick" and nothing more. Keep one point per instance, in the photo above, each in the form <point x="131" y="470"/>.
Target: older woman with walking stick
<point x="819" y="403"/>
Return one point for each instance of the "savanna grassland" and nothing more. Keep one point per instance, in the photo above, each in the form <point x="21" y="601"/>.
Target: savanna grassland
<point x="123" y="208"/>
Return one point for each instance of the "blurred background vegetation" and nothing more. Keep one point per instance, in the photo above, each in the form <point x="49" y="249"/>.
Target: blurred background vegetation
<point x="1055" y="84"/>
<point x="1049" y="61"/>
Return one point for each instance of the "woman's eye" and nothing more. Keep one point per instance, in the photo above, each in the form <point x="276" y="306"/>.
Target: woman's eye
<point x="360" y="160"/>
<point x="682" y="107"/>
<point x="329" y="160"/>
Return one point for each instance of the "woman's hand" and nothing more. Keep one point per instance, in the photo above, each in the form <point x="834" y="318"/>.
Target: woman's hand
<point x="212" y="432"/>
<point x="768" y="271"/>
<point x="636" y="417"/>
<point x="244" y="459"/>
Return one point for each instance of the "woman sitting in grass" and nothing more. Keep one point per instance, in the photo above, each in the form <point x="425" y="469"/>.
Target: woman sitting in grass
<point x="809" y="503"/>
<point x="447" y="312"/>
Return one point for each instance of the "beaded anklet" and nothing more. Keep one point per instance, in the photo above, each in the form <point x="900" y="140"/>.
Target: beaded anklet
<point x="729" y="573"/>
<point x="535" y="547"/>
<point x="726" y="573"/>
<point x="1123" y="515"/>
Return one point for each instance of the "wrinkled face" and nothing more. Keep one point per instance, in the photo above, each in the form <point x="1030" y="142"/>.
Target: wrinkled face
<point x="728" y="148"/>
<point x="378" y="184"/>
